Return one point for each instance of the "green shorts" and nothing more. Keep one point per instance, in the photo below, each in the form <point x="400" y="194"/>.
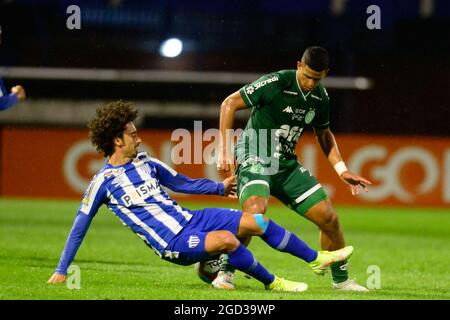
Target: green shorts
<point x="292" y="184"/>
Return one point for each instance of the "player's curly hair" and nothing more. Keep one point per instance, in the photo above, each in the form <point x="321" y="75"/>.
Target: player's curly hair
<point x="109" y="123"/>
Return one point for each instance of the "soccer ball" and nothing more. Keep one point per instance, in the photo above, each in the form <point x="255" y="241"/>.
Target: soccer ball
<point x="207" y="270"/>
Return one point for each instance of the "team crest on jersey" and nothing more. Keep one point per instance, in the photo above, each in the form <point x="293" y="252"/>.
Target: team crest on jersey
<point x="257" y="168"/>
<point x="310" y="116"/>
<point x="193" y="241"/>
<point x="145" y="169"/>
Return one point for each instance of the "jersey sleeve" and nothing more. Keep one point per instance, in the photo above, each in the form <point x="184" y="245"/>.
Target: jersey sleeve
<point x="322" y="120"/>
<point x="6" y="100"/>
<point x="180" y="183"/>
<point x="94" y="197"/>
<point x="261" y="91"/>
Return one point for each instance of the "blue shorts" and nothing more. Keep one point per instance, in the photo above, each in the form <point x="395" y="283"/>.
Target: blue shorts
<point x="188" y="246"/>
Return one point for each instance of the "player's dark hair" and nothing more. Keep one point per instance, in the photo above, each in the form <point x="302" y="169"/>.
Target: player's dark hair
<point x="109" y="123"/>
<point x="316" y="58"/>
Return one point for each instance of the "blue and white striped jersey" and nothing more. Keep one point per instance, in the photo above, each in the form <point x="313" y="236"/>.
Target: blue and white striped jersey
<point x="7" y="100"/>
<point x="133" y="192"/>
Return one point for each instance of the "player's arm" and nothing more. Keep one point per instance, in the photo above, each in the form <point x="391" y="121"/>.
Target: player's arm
<point x="76" y="236"/>
<point x="180" y="183"/>
<point x="229" y="106"/>
<point x="330" y="148"/>
<point x="93" y="199"/>
<point x="252" y="95"/>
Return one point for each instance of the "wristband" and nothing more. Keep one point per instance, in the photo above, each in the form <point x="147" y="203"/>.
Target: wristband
<point x="340" y="168"/>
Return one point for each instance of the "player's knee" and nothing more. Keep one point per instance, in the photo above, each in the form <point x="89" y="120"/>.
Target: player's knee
<point x="228" y="242"/>
<point x="255" y="205"/>
<point x="252" y="225"/>
<point x="330" y="220"/>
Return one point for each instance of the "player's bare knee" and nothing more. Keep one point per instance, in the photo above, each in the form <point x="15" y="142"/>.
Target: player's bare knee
<point x="330" y="221"/>
<point x="323" y="215"/>
<point x="229" y="242"/>
<point x="252" y="224"/>
<point x="255" y="205"/>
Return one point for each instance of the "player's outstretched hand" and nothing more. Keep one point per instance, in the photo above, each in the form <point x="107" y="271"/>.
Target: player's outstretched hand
<point x="230" y="187"/>
<point x="354" y="181"/>
<point x="57" y="278"/>
<point x="19" y="91"/>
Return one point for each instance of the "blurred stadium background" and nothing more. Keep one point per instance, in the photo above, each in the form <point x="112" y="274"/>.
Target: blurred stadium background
<point x="388" y="88"/>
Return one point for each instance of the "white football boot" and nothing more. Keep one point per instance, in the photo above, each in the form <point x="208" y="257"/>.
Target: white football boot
<point x="224" y="280"/>
<point x="349" y="285"/>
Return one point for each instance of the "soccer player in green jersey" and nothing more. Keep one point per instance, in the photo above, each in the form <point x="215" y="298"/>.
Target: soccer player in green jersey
<point x="284" y="104"/>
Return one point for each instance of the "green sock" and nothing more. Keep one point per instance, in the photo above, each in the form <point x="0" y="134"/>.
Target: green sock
<point x="225" y="265"/>
<point x="339" y="271"/>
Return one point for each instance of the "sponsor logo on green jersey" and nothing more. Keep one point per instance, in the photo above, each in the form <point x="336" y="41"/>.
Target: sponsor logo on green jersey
<point x="251" y="88"/>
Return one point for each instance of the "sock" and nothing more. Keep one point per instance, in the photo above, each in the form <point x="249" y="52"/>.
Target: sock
<point x="225" y="265"/>
<point x="282" y="240"/>
<point x="242" y="259"/>
<point x="339" y="271"/>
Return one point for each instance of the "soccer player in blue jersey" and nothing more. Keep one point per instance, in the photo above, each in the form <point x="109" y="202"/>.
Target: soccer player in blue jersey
<point x="130" y="184"/>
<point x="7" y="100"/>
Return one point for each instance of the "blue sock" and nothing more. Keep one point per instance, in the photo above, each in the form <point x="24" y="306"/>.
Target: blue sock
<point x="242" y="259"/>
<point x="282" y="240"/>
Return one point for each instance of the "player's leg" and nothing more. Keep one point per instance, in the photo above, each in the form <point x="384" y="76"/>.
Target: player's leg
<point x="212" y="232"/>
<point x="193" y="245"/>
<point x="238" y="256"/>
<point x="325" y="217"/>
<point x="253" y="189"/>
<point x="255" y="203"/>
<point x="282" y="240"/>
<point x="304" y="194"/>
<point x="242" y="259"/>
<point x="332" y="238"/>
<point x="274" y="235"/>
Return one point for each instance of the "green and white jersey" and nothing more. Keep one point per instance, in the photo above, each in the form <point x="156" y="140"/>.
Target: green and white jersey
<point x="281" y="112"/>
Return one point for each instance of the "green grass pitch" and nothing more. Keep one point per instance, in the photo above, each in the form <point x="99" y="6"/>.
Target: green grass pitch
<point x="410" y="246"/>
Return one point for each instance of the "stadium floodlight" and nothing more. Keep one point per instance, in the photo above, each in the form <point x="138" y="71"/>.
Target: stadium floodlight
<point x="171" y="48"/>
